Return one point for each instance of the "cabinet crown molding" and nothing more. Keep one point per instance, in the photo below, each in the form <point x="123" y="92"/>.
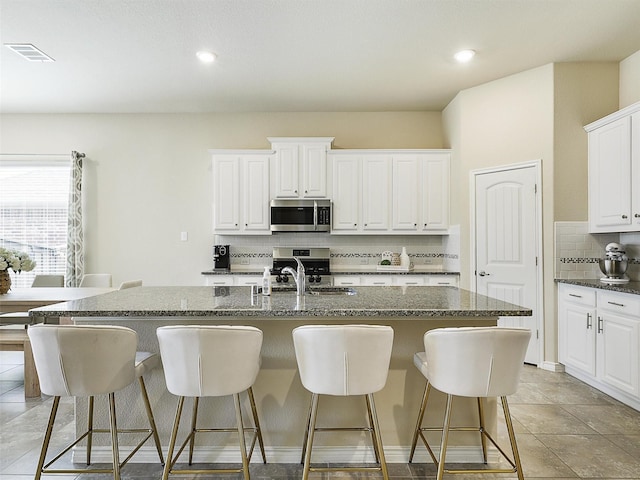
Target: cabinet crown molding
<point x="633" y="108"/>
<point x="301" y="139"/>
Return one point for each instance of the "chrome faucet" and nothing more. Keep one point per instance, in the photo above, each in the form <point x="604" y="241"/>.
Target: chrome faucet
<point x="298" y="276"/>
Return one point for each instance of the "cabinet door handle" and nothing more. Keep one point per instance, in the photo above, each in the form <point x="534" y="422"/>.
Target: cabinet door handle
<point x="588" y="320"/>
<point x="637" y="215"/>
<point x="616" y="304"/>
<point x="624" y="216"/>
<point x="574" y="295"/>
<point x="600" y="325"/>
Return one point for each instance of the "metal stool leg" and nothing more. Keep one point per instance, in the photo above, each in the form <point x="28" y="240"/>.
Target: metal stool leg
<point x="89" y="430"/>
<point x="378" y="439"/>
<point x="445" y="437"/>
<point x="152" y="422"/>
<point x="243" y="446"/>
<point x="168" y="466"/>
<point x="313" y="414"/>
<point x="194" y="418"/>
<point x="423" y="407"/>
<point x="483" y="439"/>
<point x="114" y="436"/>
<point x="256" y="422"/>
<point x="512" y="437"/>
<point x="47" y="437"/>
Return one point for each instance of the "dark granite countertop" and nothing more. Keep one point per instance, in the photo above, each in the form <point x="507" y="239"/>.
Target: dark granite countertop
<point x="238" y="302"/>
<point x="630" y="287"/>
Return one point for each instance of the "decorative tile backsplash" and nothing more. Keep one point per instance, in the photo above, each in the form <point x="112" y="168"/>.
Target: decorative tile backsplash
<point x="433" y="252"/>
<point x="577" y="251"/>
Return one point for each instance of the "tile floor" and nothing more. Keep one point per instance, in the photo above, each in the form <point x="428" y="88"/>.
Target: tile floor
<point x="565" y="430"/>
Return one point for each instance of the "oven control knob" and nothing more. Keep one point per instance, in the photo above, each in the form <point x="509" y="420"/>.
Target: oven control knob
<point x="285" y="278"/>
<point x="311" y="279"/>
<point x="278" y="279"/>
<point x="318" y="279"/>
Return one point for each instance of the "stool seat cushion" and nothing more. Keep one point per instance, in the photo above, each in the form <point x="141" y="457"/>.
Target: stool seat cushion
<point x="145" y="362"/>
<point x="420" y="362"/>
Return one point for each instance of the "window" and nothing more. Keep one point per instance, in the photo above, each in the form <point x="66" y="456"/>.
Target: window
<point x="34" y="196"/>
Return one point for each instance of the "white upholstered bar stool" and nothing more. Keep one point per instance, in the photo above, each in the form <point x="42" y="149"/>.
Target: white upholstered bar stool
<point x="130" y="284"/>
<point x="471" y="362"/>
<point x="211" y="361"/>
<point x="85" y="361"/>
<point x="48" y="281"/>
<point x="343" y="360"/>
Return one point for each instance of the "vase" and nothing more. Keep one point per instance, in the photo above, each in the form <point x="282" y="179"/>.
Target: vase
<point x="5" y="282"/>
<point x="405" y="261"/>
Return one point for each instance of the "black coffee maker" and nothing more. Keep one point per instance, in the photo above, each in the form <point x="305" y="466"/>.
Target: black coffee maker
<point x="221" y="257"/>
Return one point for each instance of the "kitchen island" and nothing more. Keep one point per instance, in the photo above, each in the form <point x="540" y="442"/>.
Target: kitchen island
<point x="282" y="401"/>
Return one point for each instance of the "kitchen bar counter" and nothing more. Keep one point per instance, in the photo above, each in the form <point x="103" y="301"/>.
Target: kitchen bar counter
<point x="281" y="399"/>
<point x="338" y="271"/>
<point x="420" y="302"/>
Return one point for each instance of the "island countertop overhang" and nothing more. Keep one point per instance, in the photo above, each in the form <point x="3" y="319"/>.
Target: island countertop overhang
<point x="239" y="302"/>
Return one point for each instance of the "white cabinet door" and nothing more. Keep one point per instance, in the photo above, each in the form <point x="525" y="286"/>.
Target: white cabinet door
<point x="226" y="192"/>
<point x="635" y="170"/>
<point x="376" y="280"/>
<point x="618" y="343"/>
<point x="376" y="192"/>
<point x="405" y="200"/>
<point x="443" y="280"/>
<point x="346" y="193"/>
<point x="256" y="193"/>
<point x="346" y="280"/>
<point x="410" y="280"/>
<point x="286" y="171"/>
<point x="577" y="327"/>
<point x="241" y="193"/>
<point x="314" y="170"/>
<point x="610" y="177"/>
<point x="435" y="192"/>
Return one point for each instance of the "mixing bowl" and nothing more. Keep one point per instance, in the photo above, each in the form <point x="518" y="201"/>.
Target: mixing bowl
<point x="613" y="268"/>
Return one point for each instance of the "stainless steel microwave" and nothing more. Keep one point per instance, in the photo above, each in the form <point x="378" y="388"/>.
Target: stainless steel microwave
<point x="300" y="215"/>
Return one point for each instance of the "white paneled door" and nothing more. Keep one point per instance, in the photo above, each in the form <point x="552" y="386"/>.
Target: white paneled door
<point x="506" y="244"/>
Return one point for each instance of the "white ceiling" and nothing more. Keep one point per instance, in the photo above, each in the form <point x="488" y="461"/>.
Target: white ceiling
<point x="291" y="55"/>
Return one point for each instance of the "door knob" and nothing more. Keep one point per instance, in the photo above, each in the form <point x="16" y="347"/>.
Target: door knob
<point x="482" y="273"/>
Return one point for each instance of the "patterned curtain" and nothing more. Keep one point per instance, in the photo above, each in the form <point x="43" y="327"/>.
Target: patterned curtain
<point x="75" y="238"/>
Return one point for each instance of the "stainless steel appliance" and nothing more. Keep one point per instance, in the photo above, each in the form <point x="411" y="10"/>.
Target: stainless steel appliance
<point x="300" y="215"/>
<point x="221" y="257"/>
<point x="614" y="264"/>
<point x="315" y="261"/>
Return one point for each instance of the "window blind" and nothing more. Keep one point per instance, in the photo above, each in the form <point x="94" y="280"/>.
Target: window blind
<point x="34" y="196"/>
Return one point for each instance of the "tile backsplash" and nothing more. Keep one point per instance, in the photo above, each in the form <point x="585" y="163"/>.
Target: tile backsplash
<point x="427" y="252"/>
<point x="577" y="251"/>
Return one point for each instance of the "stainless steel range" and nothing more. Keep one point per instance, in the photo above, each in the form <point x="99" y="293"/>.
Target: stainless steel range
<point x="315" y="261"/>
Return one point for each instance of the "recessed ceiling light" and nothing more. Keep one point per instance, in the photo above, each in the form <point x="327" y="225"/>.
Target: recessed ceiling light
<point x="29" y="52"/>
<point x="463" y="56"/>
<point x="206" y="57"/>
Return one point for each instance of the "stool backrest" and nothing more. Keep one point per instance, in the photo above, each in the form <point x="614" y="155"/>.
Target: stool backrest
<point x="83" y="360"/>
<point x="210" y="360"/>
<point x="96" y="280"/>
<point x="343" y="359"/>
<point x="476" y="361"/>
<point x="48" y="281"/>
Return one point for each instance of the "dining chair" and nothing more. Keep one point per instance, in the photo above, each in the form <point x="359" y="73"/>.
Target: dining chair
<point x="48" y="281"/>
<point x="96" y="280"/>
<point x="130" y="284"/>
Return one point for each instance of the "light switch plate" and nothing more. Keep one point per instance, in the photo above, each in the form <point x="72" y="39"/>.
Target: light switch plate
<point x="184" y="236"/>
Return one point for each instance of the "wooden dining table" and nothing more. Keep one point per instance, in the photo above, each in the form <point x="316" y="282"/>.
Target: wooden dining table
<point x="14" y="307"/>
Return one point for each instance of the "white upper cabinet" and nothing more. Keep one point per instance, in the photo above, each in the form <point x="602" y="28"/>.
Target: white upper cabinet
<point x="389" y="192"/>
<point x="300" y="167"/>
<point x="614" y="171"/>
<point x="241" y="192"/>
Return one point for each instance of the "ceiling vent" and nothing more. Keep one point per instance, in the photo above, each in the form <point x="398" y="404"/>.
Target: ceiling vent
<point x="29" y="52"/>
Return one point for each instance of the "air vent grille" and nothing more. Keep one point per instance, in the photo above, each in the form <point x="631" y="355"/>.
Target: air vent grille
<point x="29" y="52"/>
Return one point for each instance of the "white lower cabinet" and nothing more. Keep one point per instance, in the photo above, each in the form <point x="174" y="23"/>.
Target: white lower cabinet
<point x="599" y="339"/>
<point x="232" y="280"/>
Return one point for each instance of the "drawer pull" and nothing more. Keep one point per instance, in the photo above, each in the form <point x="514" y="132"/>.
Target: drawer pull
<point x="589" y="320"/>
<point x="378" y="283"/>
<point x="616" y="304"/>
<point x="443" y="283"/>
<point x="411" y="283"/>
<point x="574" y="295"/>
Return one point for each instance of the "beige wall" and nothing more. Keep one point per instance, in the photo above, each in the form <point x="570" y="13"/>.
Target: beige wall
<point x="630" y="80"/>
<point x="583" y="92"/>
<point x="147" y="177"/>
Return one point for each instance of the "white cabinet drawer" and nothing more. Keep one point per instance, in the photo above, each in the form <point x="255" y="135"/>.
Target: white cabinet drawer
<point x="376" y="280"/>
<point x="219" y="280"/>
<point x="623" y="303"/>
<point x="410" y="281"/>
<point x="443" y="281"/>
<point x="243" y="280"/>
<point x="578" y="295"/>
<point x="346" y="280"/>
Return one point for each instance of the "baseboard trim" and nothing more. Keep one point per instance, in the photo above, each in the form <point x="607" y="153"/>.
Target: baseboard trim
<point x="230" y="454"/>
<point x="552" y="367"/>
